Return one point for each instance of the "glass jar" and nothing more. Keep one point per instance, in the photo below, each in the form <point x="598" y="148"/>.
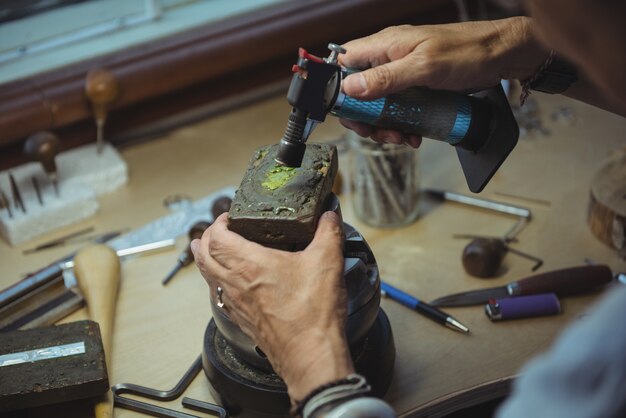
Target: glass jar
<point x="385" y="182"/>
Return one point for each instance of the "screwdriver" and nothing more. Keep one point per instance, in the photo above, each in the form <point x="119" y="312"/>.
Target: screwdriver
<point x="43" y="147"/>
<point x="186" y="257"/>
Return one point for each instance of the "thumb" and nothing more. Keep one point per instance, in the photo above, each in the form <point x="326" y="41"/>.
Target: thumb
<point x="384" y="79"/>
<point x="329" y="232"/>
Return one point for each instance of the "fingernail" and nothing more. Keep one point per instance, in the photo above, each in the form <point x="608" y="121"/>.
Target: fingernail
<point x="355" y="84"/>
<point x="330" y="215"/>
<point x="415" y="142"/>
<point x="194" y="246"/>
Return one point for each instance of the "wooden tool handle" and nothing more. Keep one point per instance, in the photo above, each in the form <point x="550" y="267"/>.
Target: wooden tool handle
<point x="97" y="271"/>
<point x="101" y="88"/>
<point x="568" y="281"/>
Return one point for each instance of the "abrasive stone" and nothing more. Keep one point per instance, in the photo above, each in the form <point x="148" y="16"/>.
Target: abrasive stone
<point x="49" y="381"/>
<point x="278" y="207"/>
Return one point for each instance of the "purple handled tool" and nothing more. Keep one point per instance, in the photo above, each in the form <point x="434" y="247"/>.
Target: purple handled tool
<point x="523" y="307"/>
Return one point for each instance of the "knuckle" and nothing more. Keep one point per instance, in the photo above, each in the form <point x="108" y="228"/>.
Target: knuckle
<point x="215" y="247"/>
<point x="382" y="78"/>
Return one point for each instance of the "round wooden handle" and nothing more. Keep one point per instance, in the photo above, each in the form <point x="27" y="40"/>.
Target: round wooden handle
<point x="43" y="147"/>
<point x="97" y="271"/>
<point x="101" y="88"/>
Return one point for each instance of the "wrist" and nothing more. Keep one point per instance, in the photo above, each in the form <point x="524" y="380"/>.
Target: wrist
<point x="314" y="359"/>
<point x="520" y="51"/>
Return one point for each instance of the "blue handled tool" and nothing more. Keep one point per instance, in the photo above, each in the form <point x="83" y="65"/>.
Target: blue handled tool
<point x="480" y="126"/>
<point x="421" y="307"/>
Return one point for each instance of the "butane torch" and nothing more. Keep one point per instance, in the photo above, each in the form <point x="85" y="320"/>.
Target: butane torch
<point x="480" y="126"/>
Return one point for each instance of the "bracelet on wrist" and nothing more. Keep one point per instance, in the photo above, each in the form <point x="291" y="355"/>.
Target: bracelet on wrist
<point x="351" y="387"/>
<point x="555" y="75"/>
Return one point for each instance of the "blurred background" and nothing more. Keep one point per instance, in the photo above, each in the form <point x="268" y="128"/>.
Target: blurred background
<point x="175" y="61"/>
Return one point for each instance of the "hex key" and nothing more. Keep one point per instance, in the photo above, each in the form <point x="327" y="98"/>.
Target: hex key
<point x="163" y="395"/>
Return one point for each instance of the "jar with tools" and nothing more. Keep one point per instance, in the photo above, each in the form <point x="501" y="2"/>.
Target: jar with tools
<point x="385" y="182"/>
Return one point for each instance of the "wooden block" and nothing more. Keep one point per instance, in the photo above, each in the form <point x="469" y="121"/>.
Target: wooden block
<point x="279" y="206"/>
<point x="53" y="380"/>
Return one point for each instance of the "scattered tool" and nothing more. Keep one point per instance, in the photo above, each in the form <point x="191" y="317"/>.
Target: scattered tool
<point x="186" y="257"/>
<point x="51" y="293"/>
<point x="165" y="395"/>
<point x="565" y="282"/>
<point x="44" y="147"/>
<point x="523" y="214"/>
<point x="37" y="189"/>
<point x="59" y="241"/>
<point x="421" y="307"/>
<point x="220" y="206"/>
<point x="492" y="205"/>
<point x="102" y="89"/>
<point x="75" y="239"/>
<point x="16" y="195"/>
<point x="4" y="203"/>
<point x="481" y="126"/>
<point x="53" y="364"/>
<point x="97" y="271"/>
<point x="482" y="257"/>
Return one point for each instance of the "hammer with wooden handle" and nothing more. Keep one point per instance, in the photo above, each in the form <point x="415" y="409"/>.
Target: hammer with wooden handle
<point x="97" y="271"/>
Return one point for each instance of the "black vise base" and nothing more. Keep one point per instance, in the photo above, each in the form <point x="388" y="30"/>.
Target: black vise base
<point x="247" y="392"/>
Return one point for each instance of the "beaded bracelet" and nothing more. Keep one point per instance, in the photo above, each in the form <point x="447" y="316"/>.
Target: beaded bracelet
<point x="351" y="386"/>
<point x="529" y="81"/>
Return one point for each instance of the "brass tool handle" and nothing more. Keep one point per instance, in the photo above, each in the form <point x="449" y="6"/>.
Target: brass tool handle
<point x="101" y="88"/>
<point x="43" y="147"/>
<point x="97" y="271"/>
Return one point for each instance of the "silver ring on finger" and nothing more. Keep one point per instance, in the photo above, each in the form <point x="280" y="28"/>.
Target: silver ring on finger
<point x="220" y="302"/>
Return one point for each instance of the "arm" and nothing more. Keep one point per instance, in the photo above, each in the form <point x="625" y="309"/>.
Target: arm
<point x="463" y="57"/>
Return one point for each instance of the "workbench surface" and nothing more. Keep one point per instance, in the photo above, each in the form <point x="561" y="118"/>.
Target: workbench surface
<point x="159" y="330"/>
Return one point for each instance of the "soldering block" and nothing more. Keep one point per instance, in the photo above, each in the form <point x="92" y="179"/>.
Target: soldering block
<point x="53" y="380"/>
<point x="279" y="206"/>
<point x="75" y="202"/>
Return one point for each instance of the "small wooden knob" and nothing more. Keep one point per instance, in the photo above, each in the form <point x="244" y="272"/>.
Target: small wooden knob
<point x="220" y="206"/>
<point x="482" y="257"/>
<point x="196" y="231"/>
<point x="101" y="88"/>
<point x="43" y="147"/>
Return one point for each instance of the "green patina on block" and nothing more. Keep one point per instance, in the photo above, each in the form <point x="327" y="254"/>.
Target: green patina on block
<point x="279" y="206"/>
<point x="278" y="176"/>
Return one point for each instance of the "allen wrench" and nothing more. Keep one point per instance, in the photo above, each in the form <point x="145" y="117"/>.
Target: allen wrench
<point x="165" y="395"/>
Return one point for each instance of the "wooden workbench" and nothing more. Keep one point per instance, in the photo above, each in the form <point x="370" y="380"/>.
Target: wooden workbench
<point x="159" y="330"/>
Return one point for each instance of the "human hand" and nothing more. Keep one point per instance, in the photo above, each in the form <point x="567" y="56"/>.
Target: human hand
<point x="292" y="304"/>
<point x="464" y="57"/>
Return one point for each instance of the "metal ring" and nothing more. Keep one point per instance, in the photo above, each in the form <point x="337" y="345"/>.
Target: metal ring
<point x="220" y="302"/>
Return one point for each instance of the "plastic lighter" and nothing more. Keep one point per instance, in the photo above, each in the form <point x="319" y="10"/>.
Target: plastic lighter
<point x="523" y="307"/>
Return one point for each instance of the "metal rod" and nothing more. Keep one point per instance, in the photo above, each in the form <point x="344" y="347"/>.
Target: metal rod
<point x="538" y="261"/>
<point x="5" y="203"/>
<point x="17" y="196"/>
<point x="37" y="190"/>
<point x="492" y="205"/>
<point x="206" y="407"/>
<point x="473" y="236"/>
<point x="57" y="242"/>
<point x="143" y="249"/>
